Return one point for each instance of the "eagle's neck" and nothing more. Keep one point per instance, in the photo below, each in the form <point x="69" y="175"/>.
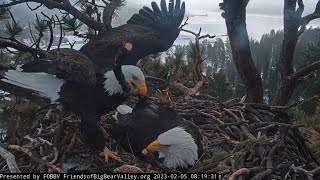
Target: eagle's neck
<point x="111" y="84"/>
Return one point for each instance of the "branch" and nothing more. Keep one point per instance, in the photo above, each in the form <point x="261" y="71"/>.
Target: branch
<point x="188" y="91"/>
<point x="40" y="35"/>
<point x="316" y="14"/>
<point x="96" y="10"/>
<point x="299" y="103"/>
<point x="31" y="34"/>
<point x="33" y="9"/>
<point x="188" y="31"/>
<point x="11" y="162"/>
<point x="238" y="173"/>
<point x="109" y="11"/>
<point x="300" y="8"/>
<point x="21" y="47"/>
<point x="305" y="20"/>
<point x="12" y="17"/>
<point x="66" y="2"/>
<point x="50" y="21"/>
<point x="207" y="36"/>
<point x="61" y="32"/>
<point x="155" y="78"/>
<point x="96" y="5"/>
<point x="305" y="71"/>
<point x="51" y="4"/>
<point x="184" y="24"/>
<point x="12" y="3"/>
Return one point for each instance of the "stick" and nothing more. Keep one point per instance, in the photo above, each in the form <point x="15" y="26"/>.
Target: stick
<point x="238" y="173"/>
<point x="11" y="162"/>
<point x="54" y="167"/>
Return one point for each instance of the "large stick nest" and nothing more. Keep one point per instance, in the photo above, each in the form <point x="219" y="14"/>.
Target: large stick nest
<point x="251" y="141"/>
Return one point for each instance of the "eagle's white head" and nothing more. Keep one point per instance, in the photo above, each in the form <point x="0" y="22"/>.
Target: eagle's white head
<point x="134" y="77"/>
<point x="176" y="146"/>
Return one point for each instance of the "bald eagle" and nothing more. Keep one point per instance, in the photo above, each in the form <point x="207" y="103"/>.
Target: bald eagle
<point x="160" y="130"/>
<point x="150" y="31"/>
<point x="73" y="82"/>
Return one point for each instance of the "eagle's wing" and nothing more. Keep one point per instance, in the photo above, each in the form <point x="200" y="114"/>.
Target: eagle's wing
<point x="67" y="64"/>
<point x="150" y="31"/>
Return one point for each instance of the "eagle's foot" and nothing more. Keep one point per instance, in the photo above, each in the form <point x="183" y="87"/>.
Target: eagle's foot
<point x="109" y="154"/>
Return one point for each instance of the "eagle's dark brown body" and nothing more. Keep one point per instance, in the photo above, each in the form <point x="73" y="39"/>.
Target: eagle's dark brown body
<point x="90" y="102"/>
<point x="82" y="93"/>
<point x="150" y="31"/>
<point x="136" y="131"/>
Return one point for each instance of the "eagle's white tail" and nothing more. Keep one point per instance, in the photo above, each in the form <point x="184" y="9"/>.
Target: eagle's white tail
<point x="124" y="109"/>
<point x="44" y="84"/>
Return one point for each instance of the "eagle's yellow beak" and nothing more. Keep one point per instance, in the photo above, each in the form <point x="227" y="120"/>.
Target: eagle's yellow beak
<point x="155" y="146"/>
<point x="142" y="87"/>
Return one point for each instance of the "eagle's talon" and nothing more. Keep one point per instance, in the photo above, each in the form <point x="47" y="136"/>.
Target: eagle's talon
<point x="109" y="154"/>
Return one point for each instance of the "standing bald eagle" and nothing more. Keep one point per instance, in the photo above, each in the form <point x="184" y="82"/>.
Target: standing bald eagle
<point x="151" y="31"/>
<point x="73" y="82"/>
<point x="158" y="129"/>
<point x="65" y="75"/>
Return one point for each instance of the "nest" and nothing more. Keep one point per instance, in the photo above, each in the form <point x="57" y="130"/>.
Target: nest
<point x="251" y="141"/>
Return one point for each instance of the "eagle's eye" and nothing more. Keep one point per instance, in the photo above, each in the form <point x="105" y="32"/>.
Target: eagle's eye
<point x="134" y="77"/>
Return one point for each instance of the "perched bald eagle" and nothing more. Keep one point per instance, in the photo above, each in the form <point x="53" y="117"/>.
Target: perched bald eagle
<point x="73" y="82"/>
<point x="151" y="31"/>
<point x="160" y="130"/>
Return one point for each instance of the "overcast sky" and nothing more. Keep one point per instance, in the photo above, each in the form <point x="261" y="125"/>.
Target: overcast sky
<point x="262" y="15"/>
<point x="262" y="6"/>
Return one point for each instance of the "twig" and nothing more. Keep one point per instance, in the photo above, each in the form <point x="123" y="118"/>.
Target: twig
<point x="207" y="36"/>
<point x="210" y="116"/>
<point x="21" y="47"/>
<point x="61" y="32"/>
<point x="314" y="171"/>
<point x="56" y="154"/>
<point x="227" y="138"/>
<point x="184" y="24"/>
<point x="39" y="130"/>
<point x="238" y="173"/>
<point x="50" y="22"/>
<point x="33" y="9"/>
<point x="10" y="159"/>
<point x="31" y="34"/>
<point x="243" y="128"/>
<point x="274" y="149"/>
<point x="153" y="161"/>
<point x="21" y="149"/>
<point x="44" y="141"/>
<point x="262" y="174"/>
<point x="305" y="172"/>
<point x="32" y="140"/>
<point x="299" y="103"/>
<point x="209" y="165"/>
<point x="54" y="167"/>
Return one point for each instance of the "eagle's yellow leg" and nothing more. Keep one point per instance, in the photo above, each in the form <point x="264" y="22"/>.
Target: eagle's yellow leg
<point x="106" y="135"/>
<point x="107" y="153"/>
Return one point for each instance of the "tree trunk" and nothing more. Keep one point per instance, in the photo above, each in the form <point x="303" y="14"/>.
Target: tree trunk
<point x="235" y="16"/>
<point x="286" y="84"/>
